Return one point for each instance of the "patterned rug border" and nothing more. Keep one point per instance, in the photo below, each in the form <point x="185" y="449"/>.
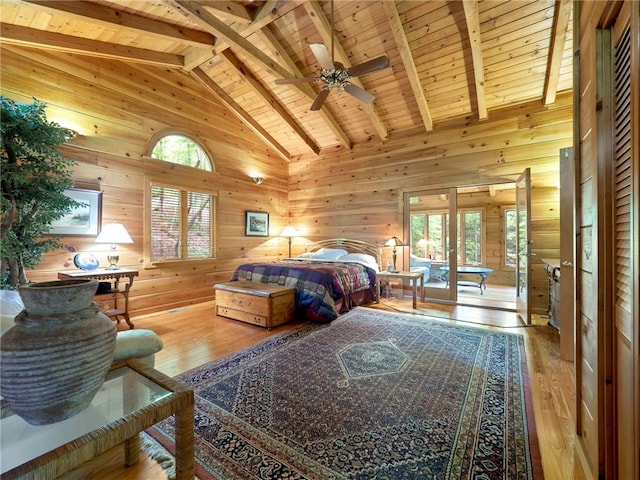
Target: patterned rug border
<point x="205" y="371"/>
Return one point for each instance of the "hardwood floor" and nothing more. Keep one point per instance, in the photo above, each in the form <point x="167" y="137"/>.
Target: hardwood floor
<point x="194" y="335"/>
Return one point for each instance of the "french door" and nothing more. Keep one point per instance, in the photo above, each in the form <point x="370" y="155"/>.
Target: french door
<point x="523" y="245"/>
<point x="433" y="239"/>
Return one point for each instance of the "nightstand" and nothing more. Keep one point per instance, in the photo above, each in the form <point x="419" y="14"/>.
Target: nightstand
<point x="413" y="276"/>
<point x="116" y="292"/>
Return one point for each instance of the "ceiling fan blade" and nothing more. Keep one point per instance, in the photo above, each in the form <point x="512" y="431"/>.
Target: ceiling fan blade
<point x="359" y="93"/>
<point x="369" y="66"/>
<point x="319" y="101"/>
<point x="285" y="81"/>
<point x="322" y="55"/>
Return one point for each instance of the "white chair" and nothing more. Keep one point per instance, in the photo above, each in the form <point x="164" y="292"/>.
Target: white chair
<point x="137" y="343"/>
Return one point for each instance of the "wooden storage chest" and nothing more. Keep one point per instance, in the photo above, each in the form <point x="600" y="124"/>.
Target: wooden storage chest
<point x="257" y="303"/>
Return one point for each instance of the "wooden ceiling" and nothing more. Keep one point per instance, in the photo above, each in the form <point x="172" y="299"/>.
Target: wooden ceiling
<point x="450" y="61"/>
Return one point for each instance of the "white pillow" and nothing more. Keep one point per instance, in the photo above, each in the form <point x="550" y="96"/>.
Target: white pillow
<point x="368" y="260"/>
<point x="306" y="255"/>
<point x="329" y="253"/>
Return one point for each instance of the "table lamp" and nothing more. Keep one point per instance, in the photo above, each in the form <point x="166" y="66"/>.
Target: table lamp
<point x="423" y="243"/>
<point x="289" y="232"/>
<point x="394" y="242"/>
<point x="113" y="233"/>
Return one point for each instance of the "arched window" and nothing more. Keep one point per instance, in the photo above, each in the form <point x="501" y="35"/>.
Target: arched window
<point x="181" y="220"/>
<point x="182" y="150"/>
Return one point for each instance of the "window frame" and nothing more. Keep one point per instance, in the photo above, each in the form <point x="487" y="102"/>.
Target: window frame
<point x="153" y="141"/>
<point x="185" y="178"/>
<point x="184" y="189"/>
<point x="459" y="215"/>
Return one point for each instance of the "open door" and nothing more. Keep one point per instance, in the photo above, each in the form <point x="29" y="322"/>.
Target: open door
<point x="523" y="244"/>
<point x="432" y="239"/>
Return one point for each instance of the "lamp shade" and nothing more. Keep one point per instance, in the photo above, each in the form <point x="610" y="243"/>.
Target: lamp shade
<point x="289" y="231"/>
<point x="114" y="233"/>
<point x="423" y="242"/>
<point x="393" y="242"/>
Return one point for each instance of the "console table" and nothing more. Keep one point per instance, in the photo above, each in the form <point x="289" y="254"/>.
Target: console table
<point x="483" y="272"/>
<point x="133" y="398"/>
<point x="102" y="274"/>
<point x="413" y="276"/>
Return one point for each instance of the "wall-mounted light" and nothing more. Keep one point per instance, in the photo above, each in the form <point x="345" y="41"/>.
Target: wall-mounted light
<point x="257" y="180"/>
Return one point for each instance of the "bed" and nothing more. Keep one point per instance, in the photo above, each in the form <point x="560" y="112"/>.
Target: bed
<point x="330" y="278"/>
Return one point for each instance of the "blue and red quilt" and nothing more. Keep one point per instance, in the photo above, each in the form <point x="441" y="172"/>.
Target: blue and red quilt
<point x="319" y="285"/>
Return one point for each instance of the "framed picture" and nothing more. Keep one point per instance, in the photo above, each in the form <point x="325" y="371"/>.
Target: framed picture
<point x="257" y="224"/>
<point x="85" y="219"/>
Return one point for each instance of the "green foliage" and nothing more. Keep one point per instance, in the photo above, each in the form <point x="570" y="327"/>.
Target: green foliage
<point x="34" y="176"/>
<point x="181" y="150"/>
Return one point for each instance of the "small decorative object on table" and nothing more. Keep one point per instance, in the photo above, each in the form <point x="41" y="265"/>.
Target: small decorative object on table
<point x="86" y="261"/>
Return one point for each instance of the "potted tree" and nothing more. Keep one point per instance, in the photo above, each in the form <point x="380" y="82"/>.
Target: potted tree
<point x="34" y="176"/>
<point x="60" y="336"/>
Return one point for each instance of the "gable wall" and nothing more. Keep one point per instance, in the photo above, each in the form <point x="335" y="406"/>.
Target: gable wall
<point x="358" y="193"/>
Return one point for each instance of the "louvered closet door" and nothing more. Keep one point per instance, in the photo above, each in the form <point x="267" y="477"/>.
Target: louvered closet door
<point x="625" y="292"/>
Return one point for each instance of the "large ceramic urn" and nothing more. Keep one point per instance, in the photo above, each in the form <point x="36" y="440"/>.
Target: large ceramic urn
<point x="55" y="358"/>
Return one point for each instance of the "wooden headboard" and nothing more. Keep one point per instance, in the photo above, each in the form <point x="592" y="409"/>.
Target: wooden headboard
<point x="351" y="246"/>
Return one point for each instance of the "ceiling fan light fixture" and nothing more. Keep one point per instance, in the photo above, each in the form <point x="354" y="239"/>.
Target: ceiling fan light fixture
<point x="334" y="75"/>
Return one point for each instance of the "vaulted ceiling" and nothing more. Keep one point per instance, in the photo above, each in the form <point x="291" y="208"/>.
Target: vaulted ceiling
<point x="449" y="60"/>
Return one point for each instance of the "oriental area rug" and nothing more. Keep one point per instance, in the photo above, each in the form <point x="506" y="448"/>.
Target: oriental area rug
<point x="371" y="395"/>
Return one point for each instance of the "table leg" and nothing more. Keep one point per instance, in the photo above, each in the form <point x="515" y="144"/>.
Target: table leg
<point x="132" y="450"/>
<point x="184" y="443"/>
<point x="415" y="292"/>
<point x="483" y="278"/>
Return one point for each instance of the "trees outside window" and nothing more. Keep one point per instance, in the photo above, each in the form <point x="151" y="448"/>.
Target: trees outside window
<point x="432" y="226"/>
<point x="181" y="224"/>
<point x="510" y="237"/>
<point x="182" y="221"/>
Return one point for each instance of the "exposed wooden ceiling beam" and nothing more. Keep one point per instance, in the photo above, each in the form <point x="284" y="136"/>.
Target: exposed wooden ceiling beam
<point x="323" y="26"/>
<point x="558" y="39"/>
<point x="233" y="61"/>
<point x="271" y="11"/>
<point x="393" y="17"/>
<point x="214" y="88"/>
<point x="218" y="28"/>
<point x="473" y="28"/>
<point x="237" y="41"/>
<point x="196" y="57"/>
<point x="232" y="11"/>
<point x="110" y="17"/>
<point x="56" y="41"/>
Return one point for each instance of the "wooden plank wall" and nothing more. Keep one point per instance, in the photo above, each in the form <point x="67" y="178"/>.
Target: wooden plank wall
<point x="353" y="193"/>
<point x="358" y="193"/>
<point x="117" y="108"/>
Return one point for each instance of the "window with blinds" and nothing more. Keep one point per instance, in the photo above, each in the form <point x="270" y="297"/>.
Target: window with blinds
<point x="181" y="224"/>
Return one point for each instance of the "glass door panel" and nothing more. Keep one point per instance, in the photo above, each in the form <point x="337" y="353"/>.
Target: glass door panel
<point x="523" y="245"/>
<point x="429" y="229"/>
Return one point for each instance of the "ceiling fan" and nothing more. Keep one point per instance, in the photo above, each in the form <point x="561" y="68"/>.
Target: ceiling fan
<point x="334" y="75"/>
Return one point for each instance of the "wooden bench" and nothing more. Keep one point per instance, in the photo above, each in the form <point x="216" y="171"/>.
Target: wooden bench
<point x="257" y="303"/>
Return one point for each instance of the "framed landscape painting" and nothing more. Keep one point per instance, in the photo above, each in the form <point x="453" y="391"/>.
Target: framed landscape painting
<point x="257" y="224"/>
<point x="85" y="219"/>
